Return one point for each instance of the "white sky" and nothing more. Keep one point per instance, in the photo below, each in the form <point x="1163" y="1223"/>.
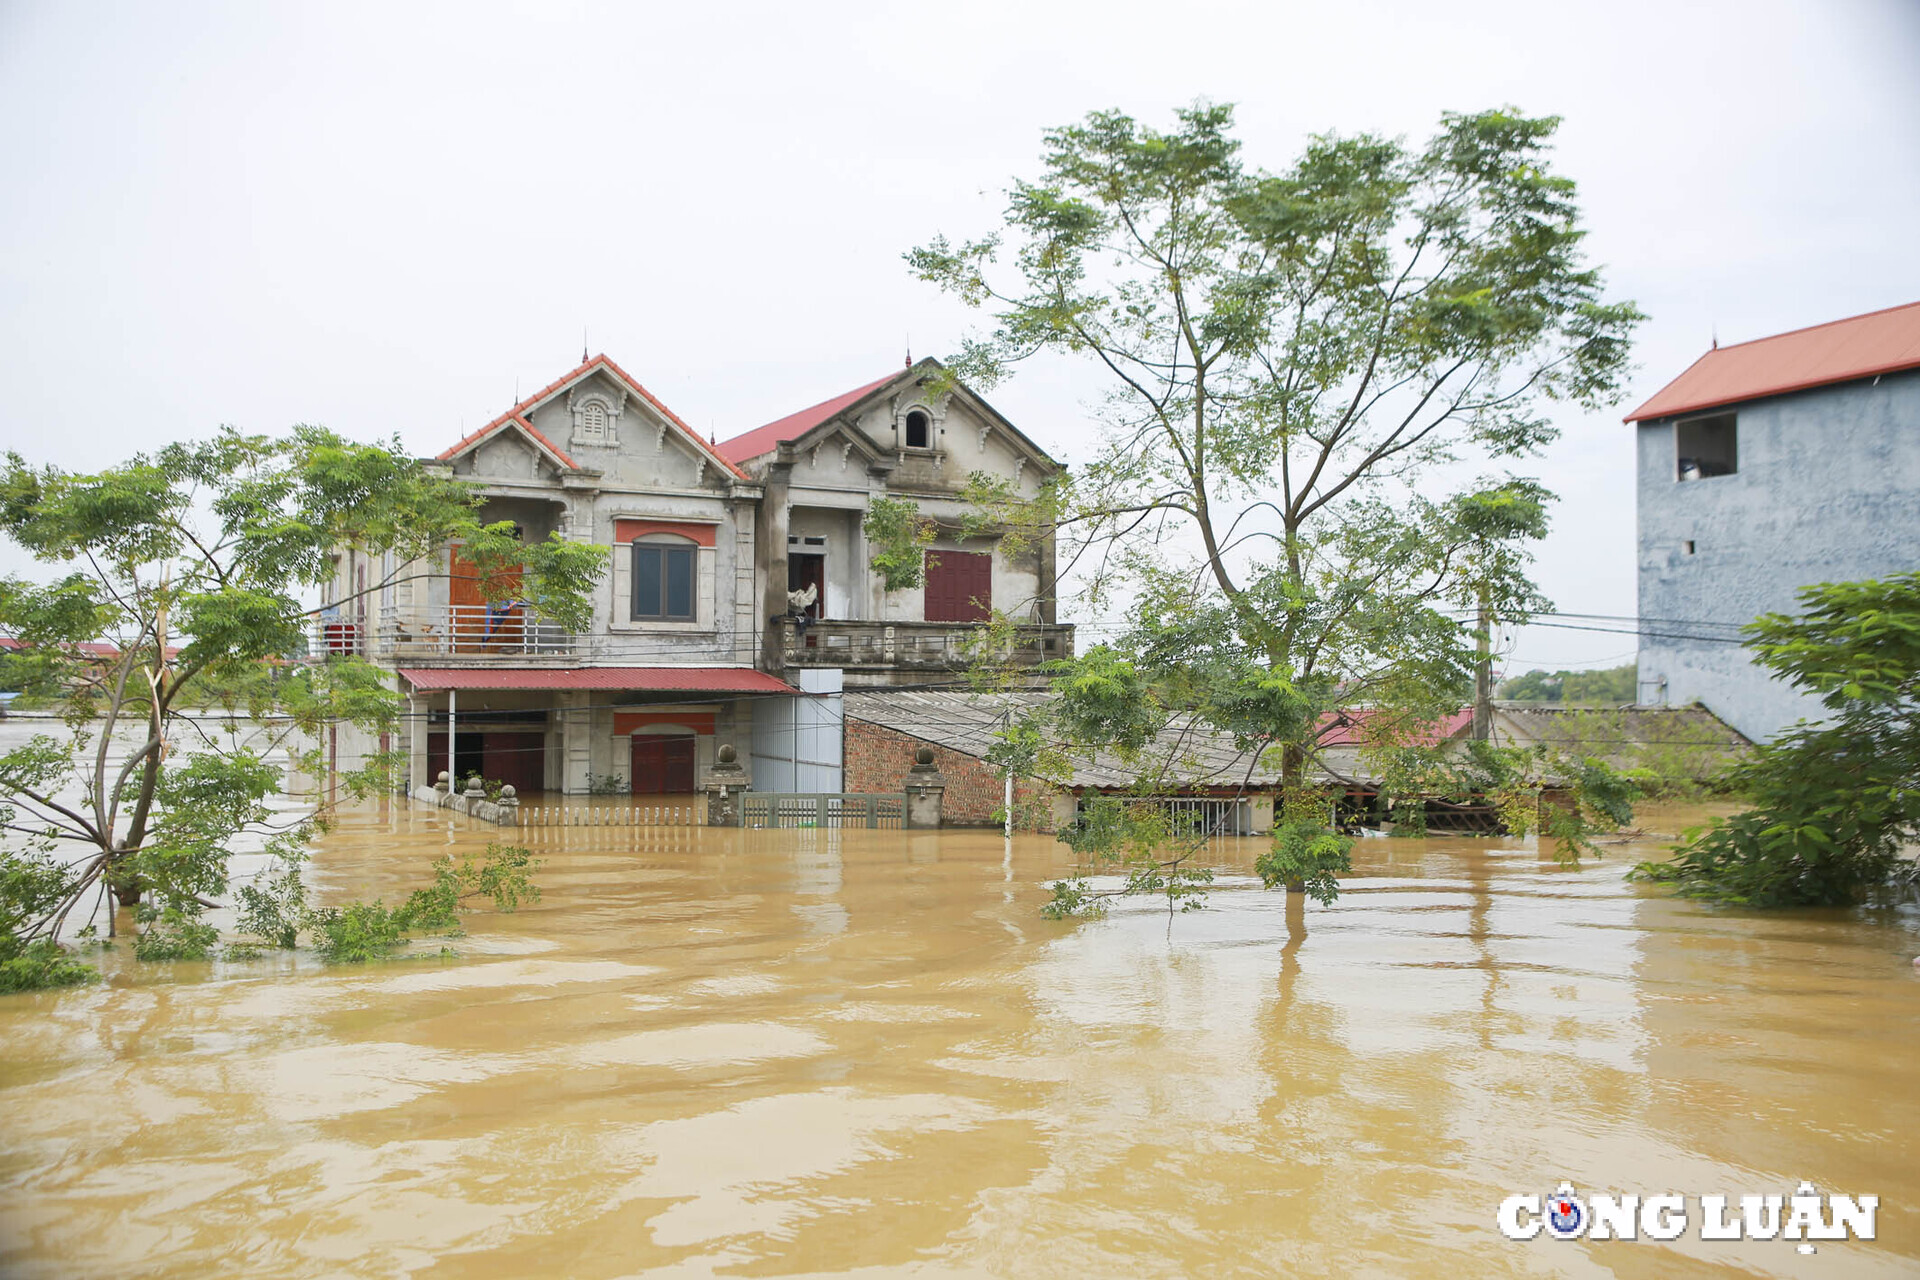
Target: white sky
<point x="386" y="217"/>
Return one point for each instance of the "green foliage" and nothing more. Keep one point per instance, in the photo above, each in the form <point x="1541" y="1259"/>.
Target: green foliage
<point x="1307" y="854"/>
<point x="173" y="934"/>
<point x="556" y="578"/>
<point x="606" y="784"/>
<point x="1613" y="686"/>
<point x="274" y="909"/>
<point x="188" y="563"/>
<point x="1566" y="798"/>
<point x="357" y="933"/>
<point x="1832" y="804"/>
<point x="898" y="536"/>
<point x="1151" y="849"/>
<point x="31" y="886"/>
<point x="1285" y="356"/>
<point x="36" y="966"/>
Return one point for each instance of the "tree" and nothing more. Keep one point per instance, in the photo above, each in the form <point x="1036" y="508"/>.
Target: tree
<point x="1611" y="686"/>
<point x="1287" y="357"/>
<point x="177" y="573"/>
<point x="1834" y="802"/>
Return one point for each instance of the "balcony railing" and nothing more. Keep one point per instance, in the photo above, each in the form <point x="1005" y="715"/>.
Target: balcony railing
<point x="456" y="631"/>
<point x="918" y="646"/>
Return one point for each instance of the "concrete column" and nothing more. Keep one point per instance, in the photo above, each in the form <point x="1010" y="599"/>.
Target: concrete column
<point x="576" y="741"/>
<point x="1049" y="581"/>
<point x="770" y="546"/>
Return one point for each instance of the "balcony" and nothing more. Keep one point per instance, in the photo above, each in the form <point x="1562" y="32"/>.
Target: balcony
<point x="916" y="646"/>
<point x="457" y="632"/>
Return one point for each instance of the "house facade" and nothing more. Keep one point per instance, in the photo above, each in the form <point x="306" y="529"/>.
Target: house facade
<point x="1764" y="468"/>
<point x="913" y="435"/>
<point x="669" y="666"/>
<point x="694" y="640"/>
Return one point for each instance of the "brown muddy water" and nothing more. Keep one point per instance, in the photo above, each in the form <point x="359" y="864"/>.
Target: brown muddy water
<point x="818" y="1052"/>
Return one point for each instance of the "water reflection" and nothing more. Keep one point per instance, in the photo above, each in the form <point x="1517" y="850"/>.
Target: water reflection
<point x="817" y="1051"/>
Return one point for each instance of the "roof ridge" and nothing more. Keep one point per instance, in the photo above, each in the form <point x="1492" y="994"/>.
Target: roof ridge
<point x="1809" y="328"/>
<point x="518" y="414"/>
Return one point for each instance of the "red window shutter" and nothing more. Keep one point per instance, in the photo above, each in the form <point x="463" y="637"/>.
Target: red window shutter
<point x="959" y="586"/>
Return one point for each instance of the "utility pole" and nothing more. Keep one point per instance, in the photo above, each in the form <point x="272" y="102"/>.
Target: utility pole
<point x="1483" y="673"/>
<point x="1009" y="782"/>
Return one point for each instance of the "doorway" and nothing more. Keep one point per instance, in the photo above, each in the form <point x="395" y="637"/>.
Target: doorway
<point x="662" y="764"/>
<point x="809" y="569"/>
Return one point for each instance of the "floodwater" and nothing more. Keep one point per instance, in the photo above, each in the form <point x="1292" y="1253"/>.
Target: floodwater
<point x="820" y="1052"/>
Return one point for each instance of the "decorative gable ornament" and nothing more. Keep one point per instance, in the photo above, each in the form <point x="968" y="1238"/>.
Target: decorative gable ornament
<point x="596" y="417"/>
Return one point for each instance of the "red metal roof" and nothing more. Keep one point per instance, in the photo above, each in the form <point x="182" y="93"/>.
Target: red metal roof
<point x="517" y="415"/>
<point x="1349" y="728"/>
<point x="85" y="648"/>
<point x="1838" y="351"/>
<point x="764" y="439"/>
<point x="670" y="679"/>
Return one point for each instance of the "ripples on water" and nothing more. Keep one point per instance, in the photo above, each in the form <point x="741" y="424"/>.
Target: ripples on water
<point x="816" y="1052"/>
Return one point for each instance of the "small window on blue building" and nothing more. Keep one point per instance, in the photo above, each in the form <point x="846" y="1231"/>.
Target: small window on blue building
<point x="1706" y="447"/>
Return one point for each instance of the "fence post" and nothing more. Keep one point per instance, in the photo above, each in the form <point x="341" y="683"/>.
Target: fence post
<point x="926" y="791"/>
<point x="725" y="781"/>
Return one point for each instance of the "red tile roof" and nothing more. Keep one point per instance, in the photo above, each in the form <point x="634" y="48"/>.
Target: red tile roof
<point x="1838" y="351"/>
<point x="650" y="679"/>
<point x="1349" y="728"/>
<point x="765" y="439"/>
<point x="86" y="648"/>
<point x="517" y="415"/>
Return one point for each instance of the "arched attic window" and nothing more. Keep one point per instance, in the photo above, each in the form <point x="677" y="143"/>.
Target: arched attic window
<point x="919" y="430"/>
<point x="595" y="421"/>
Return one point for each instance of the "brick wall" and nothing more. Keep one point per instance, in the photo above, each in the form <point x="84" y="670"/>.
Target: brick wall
<point x="878" y="758"/>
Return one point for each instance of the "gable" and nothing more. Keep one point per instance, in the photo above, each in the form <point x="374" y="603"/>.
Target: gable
<point x="589" y="408"/>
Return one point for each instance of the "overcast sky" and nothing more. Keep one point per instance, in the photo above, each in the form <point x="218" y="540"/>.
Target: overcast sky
<point x="387" y="217"/>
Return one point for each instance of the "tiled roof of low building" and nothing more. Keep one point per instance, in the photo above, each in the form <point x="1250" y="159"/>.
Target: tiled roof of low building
<point x="1839" y="351"/>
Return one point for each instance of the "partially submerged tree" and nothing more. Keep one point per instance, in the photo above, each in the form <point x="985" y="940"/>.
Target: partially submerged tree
<point x="180" y="570"/>
<point x="1288" y="359"/>
<point x="1833" y="803"/>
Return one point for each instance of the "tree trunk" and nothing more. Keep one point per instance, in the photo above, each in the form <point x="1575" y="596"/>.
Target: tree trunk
<point x="1483" y="674"/>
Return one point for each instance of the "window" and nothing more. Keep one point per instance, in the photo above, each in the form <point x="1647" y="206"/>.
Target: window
<point x="919" y="430"/>
<point x="959" y="586"/>
<point x="663" y="581"/>
<point x="594" y="421"/>
<point x="1706" y="447"/>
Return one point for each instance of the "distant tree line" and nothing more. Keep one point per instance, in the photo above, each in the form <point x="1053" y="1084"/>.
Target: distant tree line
<point x="1610" y="687"/>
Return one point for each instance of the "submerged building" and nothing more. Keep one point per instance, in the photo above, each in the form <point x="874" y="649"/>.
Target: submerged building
<point x="738" y="597"/>
<point x="1766" y="467"/>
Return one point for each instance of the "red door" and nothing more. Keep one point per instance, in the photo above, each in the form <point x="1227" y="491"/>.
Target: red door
<point x="662" y="765"/>
<point x="516" y="758"/>
<point x="959" y="586"/>
<point x="479" y="627"/>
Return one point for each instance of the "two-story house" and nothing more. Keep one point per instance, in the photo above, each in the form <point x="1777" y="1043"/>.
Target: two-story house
<point x="914" y="435"/>
<point x="1769" y="466"/>
<point x="669" y="666"/>
<point x="694" y="640"/>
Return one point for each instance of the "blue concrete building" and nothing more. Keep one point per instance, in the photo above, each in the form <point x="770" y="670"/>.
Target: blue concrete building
<point x="1766" y="467"/>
